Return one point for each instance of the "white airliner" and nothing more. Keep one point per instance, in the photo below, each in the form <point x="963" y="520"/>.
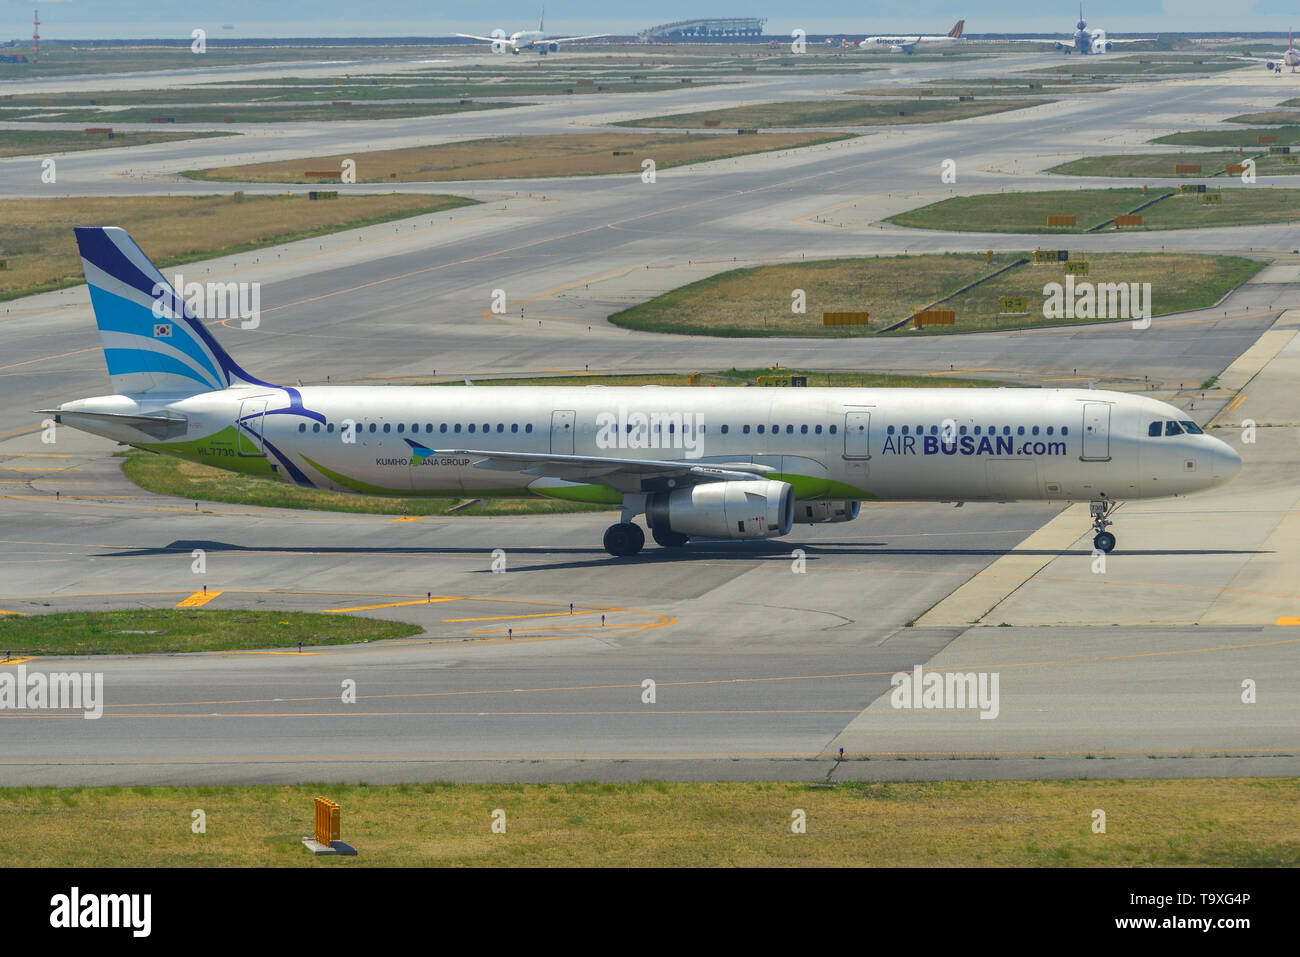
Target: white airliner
<point x="528" y="39"/>
<point x="908" y="44"/>
<point x="1085" y="40"/>
<point x="704" y="463"/>
<point x="1276" y="62"/>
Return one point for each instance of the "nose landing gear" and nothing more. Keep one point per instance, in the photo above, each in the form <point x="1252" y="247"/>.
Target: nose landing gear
<point x="1102" y="540"/>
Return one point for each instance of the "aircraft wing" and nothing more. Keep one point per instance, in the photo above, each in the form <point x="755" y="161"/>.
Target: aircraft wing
<point x="1133" y="40"/>
<point x="626" y="475"/>
<point x="594" y="36"/>
<point x="470" y="36"/>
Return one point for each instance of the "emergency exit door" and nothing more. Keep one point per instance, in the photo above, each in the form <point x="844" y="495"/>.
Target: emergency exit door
<point x="562" y="426"/>
<point x="1096" y="432"/>
<point x="857" y="435"/>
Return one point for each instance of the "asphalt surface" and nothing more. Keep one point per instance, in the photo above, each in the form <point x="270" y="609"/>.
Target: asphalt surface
<point x="760" y="671"/>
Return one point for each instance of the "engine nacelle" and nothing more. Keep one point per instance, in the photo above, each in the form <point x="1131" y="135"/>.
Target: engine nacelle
<point x="744" y="509"/>
<point x="553" y="47"/>
<point x="824" y="513"/>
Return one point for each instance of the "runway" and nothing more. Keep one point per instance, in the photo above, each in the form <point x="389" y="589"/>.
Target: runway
<point x="760" y="671"/>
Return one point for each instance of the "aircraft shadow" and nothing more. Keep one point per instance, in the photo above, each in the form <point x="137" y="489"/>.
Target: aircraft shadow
<point x="595" y="557"/>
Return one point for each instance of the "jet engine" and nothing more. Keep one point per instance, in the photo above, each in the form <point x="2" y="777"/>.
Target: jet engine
<point x="553" y="47"/>
<point x="741" y="509"/>
<point x="825" y="513"/>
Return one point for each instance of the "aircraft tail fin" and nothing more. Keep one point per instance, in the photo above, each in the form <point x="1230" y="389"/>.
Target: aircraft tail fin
<point x="153" y="342"/>
<point x="958" y="30"/>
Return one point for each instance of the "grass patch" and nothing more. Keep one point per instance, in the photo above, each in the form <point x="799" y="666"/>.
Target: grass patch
<point x="515" y="157"/>
<point x="186" y="629"/>
<point x="975" y="87"/>
<point x="168" y="475"/>
<point x="1246" y="138"/>
<point x="1283" y="117"/>
<point x="244" y="113"/>
<point x="1028" y="212"/>
<point x="756" y="301"/>
<point x="27" y="142"/>
<point x="36" y="235"/>
<point x="1136" y="67"/>
<point x="835" y="113"/>
<point x="454" y="85"/>
<point x="62" y="60"/>
<point x="1162" y="165"/>
<point x="1150" y="823"/>
<point x="1179" y="283"/>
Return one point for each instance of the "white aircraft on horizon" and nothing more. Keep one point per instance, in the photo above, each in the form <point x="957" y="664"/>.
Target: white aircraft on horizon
<point x="697" y="463"/>
<point x="1086" y="41"/>
<point x="908" y="44"/>
<point x="1276" y="62"/>
<point x="528" y="39"/>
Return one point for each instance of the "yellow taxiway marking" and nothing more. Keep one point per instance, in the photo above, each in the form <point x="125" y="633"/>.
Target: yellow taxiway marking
<point x="3" y="612"/>
<point x="1234" y="404"/>
<point x="48" y="468"/>
<point x="198" y="599"/>
<point x="609" y="628"/>
<point x="408" y="518"/>
<point x="295" y="652"/>
<point x="18" y="661"/>
<point x="546" y="614"/>
<point x="1289" y="621"/>
<point x="45" y="482"/>
<point x="395" y="604"/>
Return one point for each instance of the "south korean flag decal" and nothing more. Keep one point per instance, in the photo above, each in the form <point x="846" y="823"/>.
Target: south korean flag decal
<point x="162" y="330"/>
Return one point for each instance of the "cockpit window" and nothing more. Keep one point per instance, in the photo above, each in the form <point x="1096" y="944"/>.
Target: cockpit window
<point x="1173" y="428"/>
<point x="1191" y="427"/>
<point x="1153" y="429"/>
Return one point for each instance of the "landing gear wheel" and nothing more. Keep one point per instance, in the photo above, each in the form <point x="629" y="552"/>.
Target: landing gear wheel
<point x="668" y="538"/>
<point x="624" y="539"/>
<point x="1103" y="541"/>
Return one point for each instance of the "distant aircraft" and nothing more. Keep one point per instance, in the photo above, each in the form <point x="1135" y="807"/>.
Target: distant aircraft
<point x="1086" y="41"/>
<point x="697" y="463"/>
<point x="909" y="44"/>
<point x="1275" y="63"/>
<point x="528" y="39"/>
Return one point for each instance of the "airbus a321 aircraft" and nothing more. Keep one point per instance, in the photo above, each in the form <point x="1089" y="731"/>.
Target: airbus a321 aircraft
<point x="706" y="463"/>
<point x="909" y="44"/>
<point x="1275" y="63"/>
<point x="529" y="39"/>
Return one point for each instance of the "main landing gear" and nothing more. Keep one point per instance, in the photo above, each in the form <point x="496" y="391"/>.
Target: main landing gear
<point x="624" y="539"/>
<point x="1102" y="541"/>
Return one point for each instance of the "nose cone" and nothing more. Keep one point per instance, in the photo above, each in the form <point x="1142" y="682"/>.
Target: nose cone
<point x="1225" y="463"/>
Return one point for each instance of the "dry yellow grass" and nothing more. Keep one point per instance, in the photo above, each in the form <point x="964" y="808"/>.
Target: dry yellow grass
<point x="37" y="241"/>
<point x="1219" y="822"/>
<point x="517" y="157"/>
